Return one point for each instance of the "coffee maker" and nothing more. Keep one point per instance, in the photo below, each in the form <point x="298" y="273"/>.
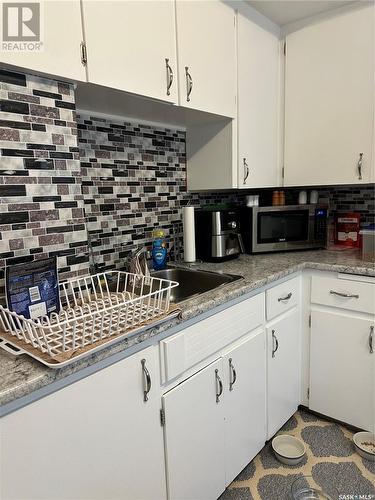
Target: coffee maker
<point x="217" y="234"/>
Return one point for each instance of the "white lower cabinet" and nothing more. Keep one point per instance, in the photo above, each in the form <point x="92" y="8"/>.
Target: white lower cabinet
<point x="245" y="403"/>
<point x="283" y="369"/>
<point x="95" y="439"/>
<point x="342" y="367"/>
<point x="194" y="436"/>
<point x="215" y="422"/>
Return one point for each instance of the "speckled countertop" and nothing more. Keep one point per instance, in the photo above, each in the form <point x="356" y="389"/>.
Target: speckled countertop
<point x="20" y="376"/>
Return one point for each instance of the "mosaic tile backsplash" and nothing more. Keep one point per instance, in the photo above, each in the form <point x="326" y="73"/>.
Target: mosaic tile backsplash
<point x="41" y="209"/>
<point x="66" y="180"/>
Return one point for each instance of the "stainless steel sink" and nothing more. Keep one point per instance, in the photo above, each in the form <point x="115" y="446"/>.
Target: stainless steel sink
<point x="193" y="282"/>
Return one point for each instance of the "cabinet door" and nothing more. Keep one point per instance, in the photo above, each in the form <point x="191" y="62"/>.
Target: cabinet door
<point x="60" y="52"/>
<point x="206" y="55"/>
<point x="128" y="43"/>
<point x="283" y="369"/>
<point x="342" y="368"/>
<point x="245" y="403"/>
<point x="329" y="101"/>
<point x="258" y="103"/>
<point x="95" y="439"/>
<point x="194" y="437"/>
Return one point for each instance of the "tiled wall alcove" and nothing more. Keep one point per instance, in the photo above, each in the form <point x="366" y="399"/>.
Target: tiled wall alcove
<point x="127" y="178"/>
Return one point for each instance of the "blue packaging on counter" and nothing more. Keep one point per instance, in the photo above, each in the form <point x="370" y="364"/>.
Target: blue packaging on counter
<point x="32" y="289"/>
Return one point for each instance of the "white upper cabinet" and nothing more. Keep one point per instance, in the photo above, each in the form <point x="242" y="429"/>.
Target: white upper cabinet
<point x="131" y="46"/>
<point x="329" y="104"/>
<point x="258" y="105"/>
<point x="206" y="56"/>
<point x="60" y="34"/>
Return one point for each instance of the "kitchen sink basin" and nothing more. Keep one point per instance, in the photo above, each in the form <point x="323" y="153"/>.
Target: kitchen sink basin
<point x="193" y="282"/>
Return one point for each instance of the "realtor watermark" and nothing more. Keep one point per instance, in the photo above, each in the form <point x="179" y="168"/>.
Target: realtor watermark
<point x="357" y="497"/>
<point x="22" y="26"/>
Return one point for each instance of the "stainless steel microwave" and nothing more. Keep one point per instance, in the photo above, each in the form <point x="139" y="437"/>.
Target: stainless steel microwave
<point x="278" y="228"/>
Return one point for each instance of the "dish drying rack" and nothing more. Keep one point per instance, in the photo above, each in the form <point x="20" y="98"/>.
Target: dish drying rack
<point x="93" y="310"/>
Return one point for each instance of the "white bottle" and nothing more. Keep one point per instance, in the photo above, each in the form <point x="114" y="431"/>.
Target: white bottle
<point x="302" y="198"/>
<point x="314" y="197"/>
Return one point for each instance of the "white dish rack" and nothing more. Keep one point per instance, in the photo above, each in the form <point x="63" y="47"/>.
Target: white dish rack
<point x="92" y="309"/>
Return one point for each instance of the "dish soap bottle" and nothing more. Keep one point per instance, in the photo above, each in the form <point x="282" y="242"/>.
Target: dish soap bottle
<point x="159" y="250"/>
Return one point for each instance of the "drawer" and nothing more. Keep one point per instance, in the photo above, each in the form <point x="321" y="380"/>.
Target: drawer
<point x="192" y="345"/>
<point x="344" y="293"/>
<point x="282" y="297"/>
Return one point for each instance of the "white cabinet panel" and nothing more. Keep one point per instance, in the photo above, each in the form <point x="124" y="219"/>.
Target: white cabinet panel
<point x="194" y="427"/>
<point x="258" y="105"/>
<point x="96" y="439"/>
<point x="206" y="54"/>
<point x="195" y="343"/>
<point x="61" y="36"/>
<point x="342" y="368"/>
<point x="128" y="43"/>
<point x="329" y="101"/>
<point x="283" y="369"/>
<point x="245" y="403"/>
<point x="342" y="293"/>
<point x="283" y="297"/>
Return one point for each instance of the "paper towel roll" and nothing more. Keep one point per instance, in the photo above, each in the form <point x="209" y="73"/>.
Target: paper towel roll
<point x="189" y="234"/>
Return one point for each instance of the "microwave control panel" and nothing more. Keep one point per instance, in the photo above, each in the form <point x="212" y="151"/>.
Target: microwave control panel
<point x="321" y="223"/>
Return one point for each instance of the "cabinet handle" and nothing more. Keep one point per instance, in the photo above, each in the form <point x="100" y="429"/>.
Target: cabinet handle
<point x="83" y="54"/>
<point x="169" y="76"/>
<point x="146" y="380"/>
<point x="346" y="295"/>
<point x="232" y="375"/>
<point x="360" y="165"/>
<point x="275" y="343"/>
<point x="287" y="297"/>
<point x="246" y="171"/>
<point x="371" y="339"/>
<point x="219" y="386"/>
<point x="189" y="83"/>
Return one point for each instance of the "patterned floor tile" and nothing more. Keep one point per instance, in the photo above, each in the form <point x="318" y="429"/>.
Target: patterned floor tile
<point x="289" y="425"/>
<point x="370" y="465"/>
<point x="308" y="417"/>
<point x="345" y="477"/>
<point x="247" y="473"/>
<point x="236" y="494"/>
<point x="327" y="441"/>
<point x="276" y="486"/>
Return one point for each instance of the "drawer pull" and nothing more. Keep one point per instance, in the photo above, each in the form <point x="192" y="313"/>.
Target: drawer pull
<point x="146" y="380"/>
<point x="346" y="295"/>
<point x="275" y="343"/>
<point x="232" y="375"/>
<point x="219" y="386"/>
<point x="287" y="297"/>
<point x="371" y="340"/>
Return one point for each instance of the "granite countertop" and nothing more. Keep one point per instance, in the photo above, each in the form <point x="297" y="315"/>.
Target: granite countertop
<point x="21" y="375"/>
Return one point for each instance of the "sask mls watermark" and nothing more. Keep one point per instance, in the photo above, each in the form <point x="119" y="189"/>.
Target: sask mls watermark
<point x="21" y="27"/>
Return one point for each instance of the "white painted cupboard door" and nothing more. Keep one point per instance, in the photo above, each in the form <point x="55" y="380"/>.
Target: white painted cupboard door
<point x="258" y="105"/>
<point x="61" y="37"/>
<point x="283" y="368"/>
<point x="342" y="368"/>
<point x="194" y="437"/>
<point x="245" y="403"/>
<point x="329" y="101"/>
<point x="206" y="47"/>
<point x="95" y="439"/>
<point x="128" y="43"/>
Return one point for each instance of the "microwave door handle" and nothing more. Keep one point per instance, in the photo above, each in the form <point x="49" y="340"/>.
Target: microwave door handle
<point x="240" y="242"/>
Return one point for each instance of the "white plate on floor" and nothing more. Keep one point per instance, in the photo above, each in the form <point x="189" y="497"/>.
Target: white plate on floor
<point x="288" y="449"/>
<point x="364" y="443"/>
